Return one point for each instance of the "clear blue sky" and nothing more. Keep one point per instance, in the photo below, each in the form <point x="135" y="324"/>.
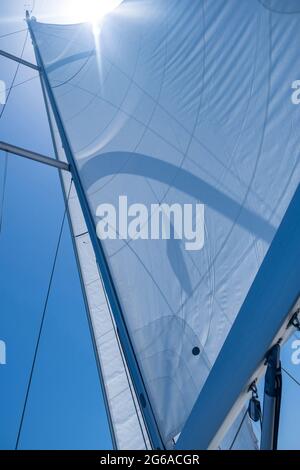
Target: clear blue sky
<point x="65" y="407"/>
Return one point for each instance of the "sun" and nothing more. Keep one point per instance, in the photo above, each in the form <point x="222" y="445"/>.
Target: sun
<point x="91" y="11"/>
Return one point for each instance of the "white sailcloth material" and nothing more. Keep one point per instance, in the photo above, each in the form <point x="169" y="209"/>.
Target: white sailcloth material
<point x="181" y="101"/>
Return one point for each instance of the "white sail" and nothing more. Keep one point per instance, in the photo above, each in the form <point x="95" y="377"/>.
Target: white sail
<point x="181" y="102"/>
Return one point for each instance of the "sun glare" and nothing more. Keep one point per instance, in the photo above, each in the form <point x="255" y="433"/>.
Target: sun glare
<point x="91" y="10"/>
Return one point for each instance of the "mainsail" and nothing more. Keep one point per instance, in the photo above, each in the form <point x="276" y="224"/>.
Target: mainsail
<point x="171" y="102"/>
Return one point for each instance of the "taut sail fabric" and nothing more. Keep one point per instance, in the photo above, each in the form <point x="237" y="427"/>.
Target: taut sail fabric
<point x="183" y="102"/>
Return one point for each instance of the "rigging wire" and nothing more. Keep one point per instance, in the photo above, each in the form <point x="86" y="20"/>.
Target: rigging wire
<point x="3" y="191"/>
<point x="1" y="115"/>
<point x="43" y="316"/>
<point x="243" y="419"/>
<point x="290" y="376"/>
<point x="14" y="77"/>
<point x="12" y="33"/>
<point x="238" y="430"/>
<point x="21" y="83"/>
<point x="19" y="30"/>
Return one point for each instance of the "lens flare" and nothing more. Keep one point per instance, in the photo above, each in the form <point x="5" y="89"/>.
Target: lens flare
<point x="91" y="11"/>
